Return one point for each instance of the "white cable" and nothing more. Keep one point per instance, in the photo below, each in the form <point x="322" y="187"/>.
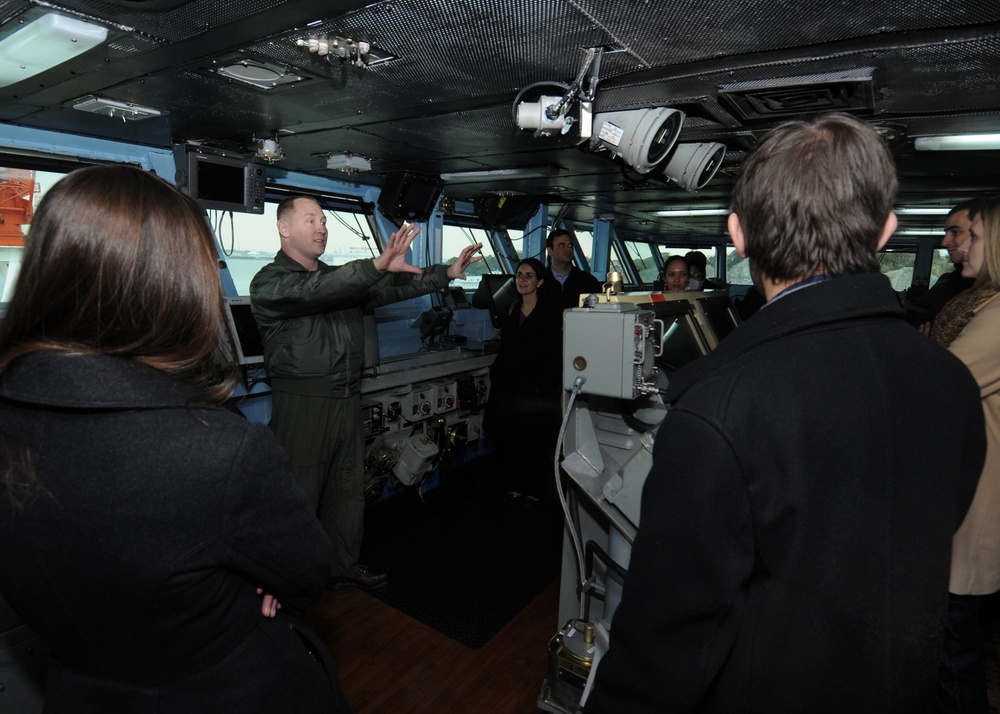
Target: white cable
<point x="574" y="536"/>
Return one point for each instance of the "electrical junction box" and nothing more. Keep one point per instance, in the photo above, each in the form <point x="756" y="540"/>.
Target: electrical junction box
<point x="611" y="345"/>
<point x="414" y="459"/>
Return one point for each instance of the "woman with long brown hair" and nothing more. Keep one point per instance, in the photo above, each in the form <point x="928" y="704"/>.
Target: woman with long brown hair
<point x="150" y="535"/>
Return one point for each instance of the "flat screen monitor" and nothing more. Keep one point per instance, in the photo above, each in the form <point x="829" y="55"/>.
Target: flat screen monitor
<point x="501" y="292"/>
<point x="243" y="328"/>
<point x="225" y="183"/>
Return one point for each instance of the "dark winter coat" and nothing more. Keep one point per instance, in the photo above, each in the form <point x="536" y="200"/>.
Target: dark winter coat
<point x="796" y="526"/>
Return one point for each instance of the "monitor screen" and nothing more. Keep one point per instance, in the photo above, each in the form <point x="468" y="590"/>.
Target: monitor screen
<point x="243" y="328"/>
<point x="225" y="183"/>
<point x="501" y="292"/>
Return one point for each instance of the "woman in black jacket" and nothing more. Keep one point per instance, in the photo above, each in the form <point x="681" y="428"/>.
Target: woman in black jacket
<point x="525" y="408"/>
<point x="151" y="536"/>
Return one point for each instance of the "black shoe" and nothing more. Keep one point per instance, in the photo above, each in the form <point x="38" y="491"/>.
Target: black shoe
<point x="360" y="576"/>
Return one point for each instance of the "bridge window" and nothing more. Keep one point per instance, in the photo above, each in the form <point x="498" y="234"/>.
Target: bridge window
<point x="21" y="190"/>
<point x="249" y="242"/>
<point x="940" y="265"/>
<point x="642" y="256"/>
<point x="456" y="237"/>
<point x="897" y="265"/>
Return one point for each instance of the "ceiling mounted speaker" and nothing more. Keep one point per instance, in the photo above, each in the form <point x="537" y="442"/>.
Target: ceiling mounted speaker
<point x="642" y="137"/>
<point x="692" y="166"/>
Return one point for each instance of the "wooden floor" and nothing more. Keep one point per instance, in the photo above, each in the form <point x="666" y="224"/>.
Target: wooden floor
<point x="391" y="663"/>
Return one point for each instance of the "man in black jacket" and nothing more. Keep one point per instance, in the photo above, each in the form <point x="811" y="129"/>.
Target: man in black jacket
<point x="801" y="562"/>
<point x="925" y="308"/>
<point x="563" y="276"/>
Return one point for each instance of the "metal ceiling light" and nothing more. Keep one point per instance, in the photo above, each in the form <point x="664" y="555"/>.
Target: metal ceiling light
<point x="499" y="174"/>
<point x="642" y="137"/>
<point x="691" y="212"/>
<point x="958" y="142"/>
<point x="348" y="163"/>
<point x="257" y="74"/>
<point x="45" y="43"/>
<point x="113" y="109"/>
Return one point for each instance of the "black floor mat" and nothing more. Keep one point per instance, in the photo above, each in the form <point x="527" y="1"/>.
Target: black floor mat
<point x="464" y="559"/>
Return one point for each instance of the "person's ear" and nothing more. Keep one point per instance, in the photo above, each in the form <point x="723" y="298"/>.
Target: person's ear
<point x="736" y="234"/>
<point x="887" y="230"/>
<point x="283" y="229"/>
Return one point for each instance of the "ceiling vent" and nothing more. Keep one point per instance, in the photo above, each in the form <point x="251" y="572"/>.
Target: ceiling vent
<point x="795" y="96"/>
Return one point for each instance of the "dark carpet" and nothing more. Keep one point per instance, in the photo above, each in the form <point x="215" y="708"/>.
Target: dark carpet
<point x="464" y="559"/>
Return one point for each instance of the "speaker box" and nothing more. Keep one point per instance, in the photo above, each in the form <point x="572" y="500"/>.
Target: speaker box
<point x="408" y="196"/>
<point x="506" y="211"/>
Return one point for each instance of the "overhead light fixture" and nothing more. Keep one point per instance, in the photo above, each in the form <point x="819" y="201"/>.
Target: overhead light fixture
<point x="921" y="211"/>
<point x="114" y="109"/>
<point x="919" y="232"/>
<point x="257" y="74"/>
<point x="691" y="166"/>
<point x="348" y="163"/>
<point x="499" y="174"/>
<point x="642" y="137"/>
<point x="46" y="43"/>
<point x="270" y="150"/>
<point x="691" y="212"/>
<point x="958" y="142"/>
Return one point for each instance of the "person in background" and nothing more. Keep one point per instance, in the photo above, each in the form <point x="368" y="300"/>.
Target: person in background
<point x="525" y="408"/>
<point x="801" y="562"/>
<point x="969" y="326"/>
<point x="922" y="311"/>
<point x="698" y="279"/>
<point x="311" y="320"/>
<point x="676" y="273"/>
<point x="150" y="535"/>
<point x="562" y="277"/>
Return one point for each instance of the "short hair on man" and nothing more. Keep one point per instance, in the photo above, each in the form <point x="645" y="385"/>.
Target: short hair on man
<point x="696" y="259"/>
<point x="964" y="206"/>
<point x="288" y="204"/>
<point x="973" y="206"/>
<point x="814" y="196"/>
<point x="551" y="238"/>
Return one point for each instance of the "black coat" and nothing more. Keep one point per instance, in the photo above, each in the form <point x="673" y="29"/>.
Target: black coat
<point x="577" y="283"/>
<point x="796" y="525"/>
<point x="139" y="560"/>
<point x="524" y="405"/>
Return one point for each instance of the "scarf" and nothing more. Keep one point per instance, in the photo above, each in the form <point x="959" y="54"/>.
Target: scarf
<point x="957" y="312"/>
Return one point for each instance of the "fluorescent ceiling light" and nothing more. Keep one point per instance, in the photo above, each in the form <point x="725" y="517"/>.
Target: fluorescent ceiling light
<point x="921" y="211"/>
<point x="113" y="109"/>
<point x="687" y="212"/>
<point x="958" y="142"/>
<point x="498" y="174"/>
<point x="45" y="43"/>
<point x="919" y="232"/>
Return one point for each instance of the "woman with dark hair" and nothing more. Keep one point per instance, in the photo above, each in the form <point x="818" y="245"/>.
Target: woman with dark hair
<point x="150" y="535"/>
<point x="524" y="408"/>
<point x="969" y="326"/>
<point x="676" y="272"/>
